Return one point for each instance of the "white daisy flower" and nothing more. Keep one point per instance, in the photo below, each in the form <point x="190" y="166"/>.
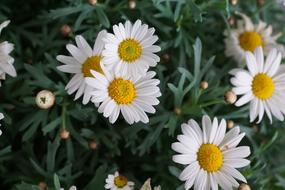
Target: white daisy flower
<point x="6" y="61"/>
<point x="247" y="37"/>
<point x="71" y="188"/>
<point x="130" y="49"/>
<point x="211" y="155"/>
<point x="132" y="96"/>
<point x="1" y="117"/>
<point x="118" y="182"/>
<point x="83" y="60"/>
<point x="262" y="84"/>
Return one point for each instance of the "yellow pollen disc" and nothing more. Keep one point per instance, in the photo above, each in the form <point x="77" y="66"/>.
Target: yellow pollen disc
<point x="262" y="86"/>
<point x="122" y="91"/>
<point x="91" y="63"/>
<point x="129" y="50"/>
<point x="249" y="41"/>
<point x="120" y="181"/>
<point x="210" y="157"/>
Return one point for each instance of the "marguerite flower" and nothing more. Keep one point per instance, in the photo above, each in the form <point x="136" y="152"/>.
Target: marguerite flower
<point x="1" y="117"/>
<point x="262" y="85"/>
<point x="83" y="60"/>
<point x="6" y="61"/>
<point x="131" y="96"/>
<point x="211" y="155"/>
<point x="130" y="49"/>
<point x="248" y="36"/>
<point x="71" y="188"/>
<point x="118" y="182"/>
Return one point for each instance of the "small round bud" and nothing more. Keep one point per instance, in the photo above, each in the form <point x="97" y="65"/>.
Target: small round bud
<point x="232" y="20"/>
<point x="64" y="134"/>
<point x="30" y="61"/>
<point x="244" y="186"/>
<point x="260" y="2"/>
<point x="230" y="97"/>
<point x="42" y="185"/>
<point x="93" y="144"/>
<point x="254" y="128"/>
<point x="166" y="57"/>
<point x="65" y="30"/>
<point x="92" y="2"/>
<point x="230" y="124"/>
<point x="234" y="2"/>
<point x="204" y="85"/>
<point x="132" y="4"/>
<point x="177" y="111"/>
<point x="45" y="99"/>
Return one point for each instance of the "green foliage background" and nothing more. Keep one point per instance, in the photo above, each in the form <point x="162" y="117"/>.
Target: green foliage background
<point x="30" y="147"/>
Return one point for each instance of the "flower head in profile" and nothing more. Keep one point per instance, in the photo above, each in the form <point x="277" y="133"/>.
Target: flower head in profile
<point x="118" y="182"/>
<point x="6" y="61"/>
<point x="119" y="93"/>
<point x="131" y="48"/>
<point x="147" y="186"/>
<point x="248" y="36"/>
<point x="84" y="59"/>
<point x="211" y="155"/>
<point x="261" y="85"/>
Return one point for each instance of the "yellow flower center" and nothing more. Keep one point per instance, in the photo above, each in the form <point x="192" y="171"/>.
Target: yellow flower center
<point x="120" y="181"/>
<point x="91" y="63"/>
<point x="249" y="41"/>
<point x="210" y="157"/>
<point x="262" y="86"/>
<point x="122" y="91"/>
<point x="129" y="50"/>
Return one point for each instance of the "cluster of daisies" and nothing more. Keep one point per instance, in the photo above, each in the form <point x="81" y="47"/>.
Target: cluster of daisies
<point x="114" y="76"/>
<point x="211" y="154"/>
<point x="262" y="82"/>
<point x="6" y="61"/>
<point x="114" y="73"/>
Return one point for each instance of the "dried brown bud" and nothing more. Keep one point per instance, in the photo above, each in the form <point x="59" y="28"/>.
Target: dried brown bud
<point x="260" y="2"/>
<point x="230" y="124"/>
<point x="230" y="97"/>
<point x="45" y="99"/>
<point x="93" y="144"/>
<point x="132" y="4"/>
<point x="65" y="30"/>
<point x="64" y="134"/>
<point x="42" y="185"/>
<point x="166" y="57"/>
<point x="177" y="111"/>
<point x="92" y="2"/>
<point x="204" y="85"/>
<point x="244" y="186"/>
<point x="254" y="128"/>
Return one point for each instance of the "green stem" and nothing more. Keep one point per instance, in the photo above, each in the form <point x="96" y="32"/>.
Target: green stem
<point x="212" y="103"/>
<point x="63" y="115"/>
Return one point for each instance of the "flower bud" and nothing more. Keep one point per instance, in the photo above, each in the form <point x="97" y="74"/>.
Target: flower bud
<point x="45" y="99"/>
<point x="204" y="85"/>
<point x="244" y="186"/>
<point x="230" y="97"/>
<point x="64" y="134"/>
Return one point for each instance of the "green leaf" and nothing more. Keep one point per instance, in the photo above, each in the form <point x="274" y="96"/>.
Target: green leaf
<point x="56" y="182"/>
<point x="51" y="126"/>
<point x="98" y="180"/>
<point x="103" y="19"/>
